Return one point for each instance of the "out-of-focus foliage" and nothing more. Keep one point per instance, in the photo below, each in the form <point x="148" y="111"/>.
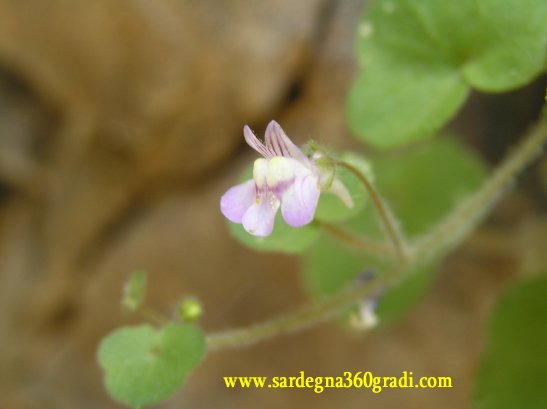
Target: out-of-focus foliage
<point x="421" y="57"/>
<point x="144" y="365"/>
<point x="513" y="371"/>
<point x="134" y="291"/>
<point x="422" y="186"/>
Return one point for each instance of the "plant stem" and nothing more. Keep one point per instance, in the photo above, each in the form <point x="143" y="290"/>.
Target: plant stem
<point x="350" y="239"/>
<point x="302" y="318"/>
<point x="458" y="223"/>
<point x="441" y="238"/>
<point x="386" y="217"/>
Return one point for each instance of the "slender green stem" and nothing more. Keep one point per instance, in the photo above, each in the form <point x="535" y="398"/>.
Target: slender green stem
<point x="359" y="242"/>
<point x="386" y="217"/>
<point x="443" y="237"/>
<point x="458" y="223"/>
<point x="296" y="320"/>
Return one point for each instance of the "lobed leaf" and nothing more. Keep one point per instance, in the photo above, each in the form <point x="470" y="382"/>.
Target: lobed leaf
<point x="144" y="365"/>
<point x="420" y="58"/>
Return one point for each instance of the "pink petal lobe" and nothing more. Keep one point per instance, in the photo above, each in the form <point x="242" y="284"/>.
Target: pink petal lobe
<point x="259" y="219"/>
<point x="299" y="201"/>
<point x="255" y="143"/>
<point x="278" y="142"/>
<point x="237" y="200"/>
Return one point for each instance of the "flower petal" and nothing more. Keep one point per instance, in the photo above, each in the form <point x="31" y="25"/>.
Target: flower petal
<point x="258" y="220"/>
<point x="237" y="200"/>
<point x="366" y="317"/>
<point x="255" y="143"/>
<point x="282" y="172"/>
<point x="279" y="143"/>
<point x="299" y="201"/>
<point x="260" y="172"/>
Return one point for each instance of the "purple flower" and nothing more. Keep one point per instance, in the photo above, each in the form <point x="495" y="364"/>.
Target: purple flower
<point x="283" y="178"/>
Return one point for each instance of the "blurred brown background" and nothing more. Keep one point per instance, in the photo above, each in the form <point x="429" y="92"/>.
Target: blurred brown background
<point x="120" y="127"/>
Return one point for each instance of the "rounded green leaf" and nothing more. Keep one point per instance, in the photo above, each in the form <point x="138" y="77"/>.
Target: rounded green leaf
<point x="422" y="185"/>
<point x="144" y="365"/>
<point x="392" y="107"/>
<point x="513" y="370"/>
<point x="420" y="57"/>
<point x="512" y="47"/>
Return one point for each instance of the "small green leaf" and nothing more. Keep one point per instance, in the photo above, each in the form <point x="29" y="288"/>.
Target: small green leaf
<point x="284" y="238"/>
<point x="144" y="365"/>
<point x="134" y="291"/>
<point x="422" y="185"/>
<point x="513" y="370"/>
<point x="420" y="58"/>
